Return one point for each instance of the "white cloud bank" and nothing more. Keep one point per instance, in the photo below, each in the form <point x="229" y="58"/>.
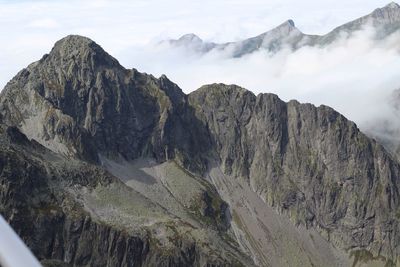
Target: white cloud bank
<point x="356" y="76"/>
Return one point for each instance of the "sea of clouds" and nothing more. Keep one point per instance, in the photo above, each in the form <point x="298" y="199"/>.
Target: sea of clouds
<point x="356" y="75"/>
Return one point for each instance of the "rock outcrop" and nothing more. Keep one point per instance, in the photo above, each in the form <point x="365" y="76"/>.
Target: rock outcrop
<point x="79" y="101"/>
<point x="80" y="110"/>
<point x="104" y="166"/>
<point x="310" y="163"/>
<point x="45" y="198"/>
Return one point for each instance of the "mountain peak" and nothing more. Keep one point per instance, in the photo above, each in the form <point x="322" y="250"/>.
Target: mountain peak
<point x="71" y="43"/>
<point x="74" y="38"/>
<point x="73" y="47"/>
<point x="285" y="28"/>
<point x="288" y="24"/>
<point x="386" y="15"/>
<point x="392" y="5"/>
<point x="190" y="37"/>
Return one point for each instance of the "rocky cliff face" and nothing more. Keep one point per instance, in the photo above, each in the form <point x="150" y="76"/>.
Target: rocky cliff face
<point x="310" y="163"/>
<point x="79" y="101"/>
<point x="81" y="109"/>
<point x="103" y="166"/>
<point x="45" y="198"/>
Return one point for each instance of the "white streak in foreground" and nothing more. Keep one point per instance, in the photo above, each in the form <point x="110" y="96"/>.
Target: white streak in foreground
<point x="13" y="251"/>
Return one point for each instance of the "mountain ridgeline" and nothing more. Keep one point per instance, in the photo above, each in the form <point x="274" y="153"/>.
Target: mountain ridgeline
<point x="385" y="21"/>
<point x="104" y="166"/>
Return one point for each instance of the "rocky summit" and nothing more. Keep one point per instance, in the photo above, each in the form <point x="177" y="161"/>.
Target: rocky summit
<point x="105" y="166"/>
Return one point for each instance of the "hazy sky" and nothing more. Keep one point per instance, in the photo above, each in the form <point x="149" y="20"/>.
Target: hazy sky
<point x="30" y="28"/>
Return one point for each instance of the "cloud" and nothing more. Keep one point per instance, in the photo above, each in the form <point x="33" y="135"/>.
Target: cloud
<point x="356" y="76"/>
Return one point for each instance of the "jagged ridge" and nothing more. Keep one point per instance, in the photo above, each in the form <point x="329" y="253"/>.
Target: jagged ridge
<point x="310" y="164"/>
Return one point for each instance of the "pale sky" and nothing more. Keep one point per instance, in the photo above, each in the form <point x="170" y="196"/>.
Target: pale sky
<point x="30" y="28"/>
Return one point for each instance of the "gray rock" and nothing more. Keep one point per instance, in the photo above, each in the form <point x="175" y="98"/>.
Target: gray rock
<point x="36" y="199"/>
<point x="74" y="123"/>
<point x="66" y="110"/>
<point x="309" y="163"/>
<point x="79" y="101"/>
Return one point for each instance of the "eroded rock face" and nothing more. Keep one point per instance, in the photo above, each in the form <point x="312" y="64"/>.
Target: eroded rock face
<point x="37" y="199"/>
<point x="76" y="125"/>
<point x="79" y="101"/>
<point x="308" y="162"/>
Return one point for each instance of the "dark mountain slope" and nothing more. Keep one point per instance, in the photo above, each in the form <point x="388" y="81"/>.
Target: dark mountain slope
<point x="150" y="176"/>
<point x="79" y="101"/>
<point x="88" y="111"/>
<point x="310" y="163"/>
<point x="55" y="205"/>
